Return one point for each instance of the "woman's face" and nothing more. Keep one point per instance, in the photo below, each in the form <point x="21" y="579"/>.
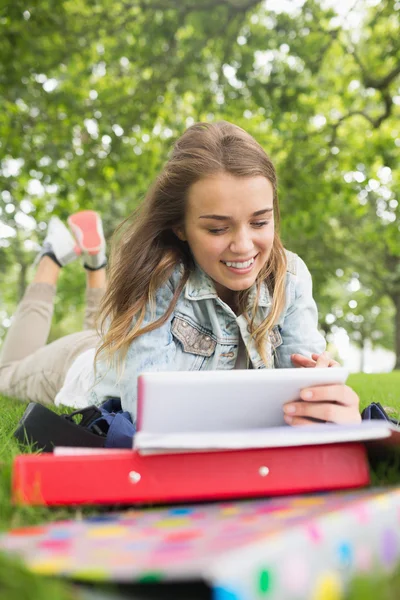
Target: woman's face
<point x="229" y="226"/>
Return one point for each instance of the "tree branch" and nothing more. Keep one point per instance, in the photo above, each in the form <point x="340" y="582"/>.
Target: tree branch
<point x="376" y="123"/>
<point x="384" y="82"/>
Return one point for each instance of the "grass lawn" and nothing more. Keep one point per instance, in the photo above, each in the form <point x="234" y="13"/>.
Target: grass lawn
<point x="17" y="584"/>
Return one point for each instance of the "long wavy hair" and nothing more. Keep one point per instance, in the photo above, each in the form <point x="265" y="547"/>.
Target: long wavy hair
<point x="145" y="250"/>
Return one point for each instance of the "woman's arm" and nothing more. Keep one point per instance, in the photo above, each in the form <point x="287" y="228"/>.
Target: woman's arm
<point x="304" y="346"/>
<point x="299" y="329"/>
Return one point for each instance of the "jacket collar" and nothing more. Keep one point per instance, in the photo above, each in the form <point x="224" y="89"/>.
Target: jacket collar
<point x="200" y="286"/>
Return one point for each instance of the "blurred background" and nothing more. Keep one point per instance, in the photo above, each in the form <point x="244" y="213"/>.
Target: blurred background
<point x="94" y="93"/>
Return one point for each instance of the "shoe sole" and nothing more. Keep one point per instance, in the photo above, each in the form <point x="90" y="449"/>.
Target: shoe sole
<point x="85" y="226"/>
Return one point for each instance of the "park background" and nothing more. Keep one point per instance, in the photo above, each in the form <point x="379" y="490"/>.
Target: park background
<point x="94" y="93"/>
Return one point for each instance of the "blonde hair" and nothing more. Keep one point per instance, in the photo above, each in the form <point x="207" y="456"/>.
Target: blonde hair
<point x="145" y="250"/>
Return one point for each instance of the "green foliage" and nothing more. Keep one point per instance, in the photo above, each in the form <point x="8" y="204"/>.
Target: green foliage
<point x="368" y="319"/>
<point x="94" y="93"/>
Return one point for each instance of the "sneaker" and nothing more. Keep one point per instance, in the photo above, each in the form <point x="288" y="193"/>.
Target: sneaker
<point x="59" y="244"/>
<point x="87" y="228"/>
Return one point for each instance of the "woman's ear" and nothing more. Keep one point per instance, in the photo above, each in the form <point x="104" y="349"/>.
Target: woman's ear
<point x="180" y="233"/>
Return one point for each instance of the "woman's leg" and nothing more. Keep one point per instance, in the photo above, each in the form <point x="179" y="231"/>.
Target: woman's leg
<point x="31" y="323"/>
<point x="95" y="287"/>
<point x="40" y="376"/>
<point x="29" y="369"/>
<point x="30" y="327"/>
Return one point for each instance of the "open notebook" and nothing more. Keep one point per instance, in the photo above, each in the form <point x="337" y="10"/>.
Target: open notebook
<point x="273" y="437"/>
<point x="231" y="410"/>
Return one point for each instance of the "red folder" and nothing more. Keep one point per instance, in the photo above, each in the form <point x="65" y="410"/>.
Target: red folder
<point x="126" y="477"/>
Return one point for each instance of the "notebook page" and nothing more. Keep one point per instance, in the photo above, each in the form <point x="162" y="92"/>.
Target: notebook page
<point x="274" y="437"/>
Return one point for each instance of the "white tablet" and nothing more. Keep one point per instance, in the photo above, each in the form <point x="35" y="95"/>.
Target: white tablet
<point x="195" y="401"/>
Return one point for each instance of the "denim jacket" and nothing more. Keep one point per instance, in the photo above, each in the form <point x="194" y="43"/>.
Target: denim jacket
<point x="203" y="333"/>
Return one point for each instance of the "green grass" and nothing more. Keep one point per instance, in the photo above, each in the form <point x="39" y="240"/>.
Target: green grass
<point x="381" y="387"/>
<point x="18" y="584"/>
<point x="11" y="516"/>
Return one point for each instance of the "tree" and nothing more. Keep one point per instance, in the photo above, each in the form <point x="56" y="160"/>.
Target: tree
<point x="367" y="320"/>
<point x="93" y="93"/>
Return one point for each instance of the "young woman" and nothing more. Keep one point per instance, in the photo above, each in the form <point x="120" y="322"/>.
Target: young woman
<point x="199" y="279"/>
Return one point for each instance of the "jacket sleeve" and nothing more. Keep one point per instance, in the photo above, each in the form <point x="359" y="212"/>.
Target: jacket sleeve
<point x="152" y="351"/>
<point x="299" y="327"/>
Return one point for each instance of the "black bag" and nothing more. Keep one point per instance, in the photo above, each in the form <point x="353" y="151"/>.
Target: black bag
<point x="45" y="429"/>
<point x="376" y="411"/>
<point x="97" y="427"/>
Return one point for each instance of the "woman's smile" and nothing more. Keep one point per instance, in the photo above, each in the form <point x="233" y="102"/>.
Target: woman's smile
<point x="240" y="267"/>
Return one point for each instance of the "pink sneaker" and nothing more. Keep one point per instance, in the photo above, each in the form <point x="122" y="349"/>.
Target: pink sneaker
<point x="59" y="244"/>
<point x="87" y="228"/>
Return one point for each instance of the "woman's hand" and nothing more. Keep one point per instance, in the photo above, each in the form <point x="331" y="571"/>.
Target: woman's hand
<point x="316" y="360"/>
<point x="329" y="403"/>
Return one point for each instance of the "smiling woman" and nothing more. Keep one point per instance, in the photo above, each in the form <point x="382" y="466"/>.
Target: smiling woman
<point x="200" y="280"/>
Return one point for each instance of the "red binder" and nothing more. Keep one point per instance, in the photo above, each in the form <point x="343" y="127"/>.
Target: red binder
<point x="126" y="477"/>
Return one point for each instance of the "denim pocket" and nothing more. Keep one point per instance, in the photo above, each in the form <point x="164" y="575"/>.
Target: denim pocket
<point x="193" y="340"/>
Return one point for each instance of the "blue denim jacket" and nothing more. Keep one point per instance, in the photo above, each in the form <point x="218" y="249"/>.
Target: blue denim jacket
<point x="203" y="333"/>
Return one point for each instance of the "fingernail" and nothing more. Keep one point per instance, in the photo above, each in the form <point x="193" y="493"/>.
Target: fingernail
<point x="290" y="408"/>
<point x="306" y="395"/>
<point x="288" y="419"/>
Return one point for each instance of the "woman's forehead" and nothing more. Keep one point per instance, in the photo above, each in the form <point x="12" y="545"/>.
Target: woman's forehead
<point x="230" y="193"/>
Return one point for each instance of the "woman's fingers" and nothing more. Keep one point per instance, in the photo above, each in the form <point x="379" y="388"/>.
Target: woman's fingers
<point x="302" y="413"/>
<point x="299" y="360"/>
<point x="342" y="394"/>
<point x="316" y="360"/>
<point x="324" y="360"/>
<point x="331" y="403"/>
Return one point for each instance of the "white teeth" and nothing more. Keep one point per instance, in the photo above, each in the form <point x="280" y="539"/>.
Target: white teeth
<point x="240" y="265"/>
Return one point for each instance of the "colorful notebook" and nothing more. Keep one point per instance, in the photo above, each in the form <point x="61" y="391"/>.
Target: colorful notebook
<point x="302" y="547"/>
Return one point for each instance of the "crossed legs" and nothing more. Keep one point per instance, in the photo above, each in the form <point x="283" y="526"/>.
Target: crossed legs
<point x="30" y="369"/>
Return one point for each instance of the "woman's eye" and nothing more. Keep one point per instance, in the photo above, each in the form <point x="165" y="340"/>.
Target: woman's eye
<point x="260" y="224"/>
<point x="217" y="231"/>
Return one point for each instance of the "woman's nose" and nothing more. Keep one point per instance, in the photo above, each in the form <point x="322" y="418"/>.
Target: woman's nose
<point x="242" y="244"/>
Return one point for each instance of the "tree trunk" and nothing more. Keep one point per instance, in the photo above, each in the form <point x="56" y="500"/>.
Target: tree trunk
<point x="363" y="348"/>
<point x="396" y="301"/>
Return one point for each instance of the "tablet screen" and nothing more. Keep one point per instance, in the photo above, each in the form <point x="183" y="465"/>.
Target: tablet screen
<point x="183" y="401"/>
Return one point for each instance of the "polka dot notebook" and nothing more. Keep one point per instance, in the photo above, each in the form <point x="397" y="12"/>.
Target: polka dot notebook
<point x="302" y="547"/>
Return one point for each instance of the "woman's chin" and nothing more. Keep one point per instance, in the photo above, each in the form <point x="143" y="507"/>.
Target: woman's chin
<point x="240" y="285"/>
